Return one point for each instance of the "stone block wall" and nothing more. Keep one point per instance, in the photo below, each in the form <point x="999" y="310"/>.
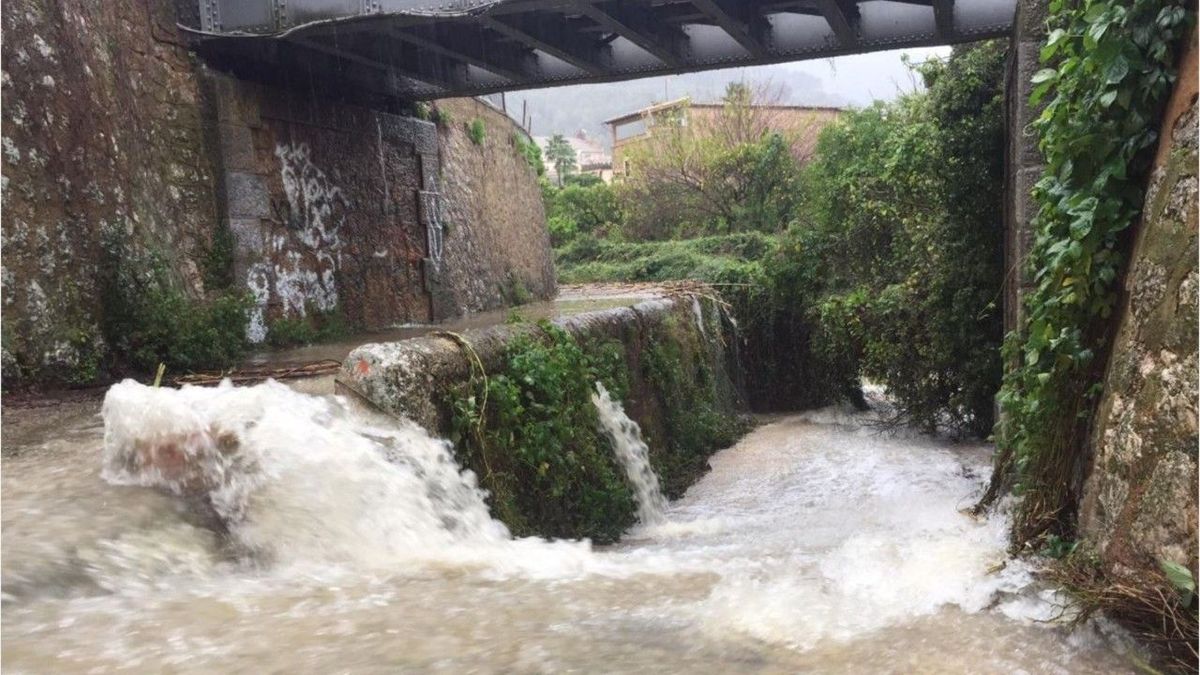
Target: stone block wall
<point x="1139" y="502"/>
<point x="497" y="246"/>
<point x="113" y="130"/>
<point x="105" y="134"/>
<point x="324" y="202"/>
<point x="1023" y="161"/>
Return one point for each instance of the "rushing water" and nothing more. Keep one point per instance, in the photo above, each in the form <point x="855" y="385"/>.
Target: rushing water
<point x="259" y="529"/>
<point x="634" y="456"/>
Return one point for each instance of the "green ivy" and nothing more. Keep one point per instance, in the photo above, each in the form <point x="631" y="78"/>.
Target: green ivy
<point x="531" y="432"/>
<point x="1108" y="69"/>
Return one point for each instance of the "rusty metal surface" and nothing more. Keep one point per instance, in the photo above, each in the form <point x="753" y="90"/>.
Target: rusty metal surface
<point x="422" y="49"/>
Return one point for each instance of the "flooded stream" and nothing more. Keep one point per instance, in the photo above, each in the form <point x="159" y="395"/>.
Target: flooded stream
<point x="311" y="537"/>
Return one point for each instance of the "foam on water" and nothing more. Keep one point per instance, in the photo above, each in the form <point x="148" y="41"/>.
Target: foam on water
<point x="814" y="545"/>
<point x="302" y="480"/>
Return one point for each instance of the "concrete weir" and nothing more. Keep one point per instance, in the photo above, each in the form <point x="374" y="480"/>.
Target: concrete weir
<point x="412" y="378"/>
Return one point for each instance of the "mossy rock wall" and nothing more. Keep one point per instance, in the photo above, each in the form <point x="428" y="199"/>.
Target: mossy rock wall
<point x="1139" y="503"/>
<point x="668" y="360"/>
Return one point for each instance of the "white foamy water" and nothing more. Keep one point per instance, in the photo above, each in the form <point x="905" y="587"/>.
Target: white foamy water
<point x="631" y="451"/>
<point x="304" y="481"/>
<point x="304" y="536"/>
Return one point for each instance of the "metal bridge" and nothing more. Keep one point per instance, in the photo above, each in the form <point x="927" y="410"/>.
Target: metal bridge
<point x="424" y="49"/>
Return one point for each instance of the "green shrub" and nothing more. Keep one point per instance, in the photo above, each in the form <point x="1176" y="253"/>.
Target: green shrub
<point x="148" y="320"/>
<point x="532" y="434"/>
<point x="315" y="327"/>
<point x="531" y="152"/>
<point x="576" y="209"/>
<point x="902" y="241"/>
<point x="477" y="131"/>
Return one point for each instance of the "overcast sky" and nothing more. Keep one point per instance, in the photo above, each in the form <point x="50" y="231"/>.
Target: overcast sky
<point x="844" y="80"/>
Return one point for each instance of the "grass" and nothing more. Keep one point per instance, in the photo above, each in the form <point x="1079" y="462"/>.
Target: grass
<point x="713" y="259"/>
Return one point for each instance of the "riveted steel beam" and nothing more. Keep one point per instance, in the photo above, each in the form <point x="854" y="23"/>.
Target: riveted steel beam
<point x="842" y="18"/>
<point x="555" y="38"/>
<point x="632" y="22"/>
<point x="470" y="49"/>
<point x="943" y="17"/>
<point x="740" y="21"/>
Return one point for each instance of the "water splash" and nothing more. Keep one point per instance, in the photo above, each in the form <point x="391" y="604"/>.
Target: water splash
<point x="305" y="481"/>
<point x="633" y="454"/>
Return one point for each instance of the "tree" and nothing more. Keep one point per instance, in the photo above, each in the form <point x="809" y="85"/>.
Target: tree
<point x="561" y="155"/>
<point x="725" y="170"/>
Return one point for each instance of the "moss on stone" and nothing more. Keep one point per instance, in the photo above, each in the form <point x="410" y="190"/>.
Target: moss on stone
<point x="695" y="423"/>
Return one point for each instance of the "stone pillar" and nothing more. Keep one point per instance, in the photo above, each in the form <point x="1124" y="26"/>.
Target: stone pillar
<point x="1024" y="163"/>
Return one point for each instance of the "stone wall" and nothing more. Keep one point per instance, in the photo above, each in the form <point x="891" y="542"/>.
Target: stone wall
<point x="497" y="245"/>
<point x="414" y="378"/>
<point x="1023" y="162"/>
<point x="105" y="133"/>
<point x="1139" y="503"/>
<point x="113" y="130"/>
<point x="329" y="206"/>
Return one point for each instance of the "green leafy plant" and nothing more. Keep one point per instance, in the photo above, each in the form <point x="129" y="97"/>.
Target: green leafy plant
<point x="531" y="433"/>
<point x="148" y="320"/>
<point x="1108" y="68"/>
<point x="1181" y="578"/>
<point x="314" y="327"/>
<point x="531" y="152"/>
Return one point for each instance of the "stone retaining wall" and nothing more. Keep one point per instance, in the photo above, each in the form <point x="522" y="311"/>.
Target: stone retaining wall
<point x="414" y="378"/>
<point x="1139" y="503"/>
<point x="115" y="131"/>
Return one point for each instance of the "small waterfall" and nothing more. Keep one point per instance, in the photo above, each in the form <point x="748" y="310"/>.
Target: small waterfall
<point x="634" y="456"/>
<point x="298" y="479"/>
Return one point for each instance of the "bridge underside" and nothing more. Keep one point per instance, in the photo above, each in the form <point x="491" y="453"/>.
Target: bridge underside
<point x="418" y="49"/>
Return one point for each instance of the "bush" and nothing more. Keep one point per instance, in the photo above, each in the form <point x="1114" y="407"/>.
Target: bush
<point x="314" y="327"/>
<point x="578" y="209"/>
<point x="148" y="320"/>
<point x="477" y="131"/>
<point x="531" y="152"/>
<point x="532" y="434"/>
<point x="903" y="231"/>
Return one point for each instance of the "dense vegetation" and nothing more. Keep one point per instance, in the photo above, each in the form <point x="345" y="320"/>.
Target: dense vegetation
<point x="148" y="320"/>
<point x="878" y="256"/>
<point x="532" y="434"/>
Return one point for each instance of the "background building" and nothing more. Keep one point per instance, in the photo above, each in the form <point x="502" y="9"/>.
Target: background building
<point x="802" y="123"/>
<point x="591" y="157"/>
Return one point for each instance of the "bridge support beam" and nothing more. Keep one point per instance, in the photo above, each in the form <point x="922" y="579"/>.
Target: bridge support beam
<point x="565" y="46"/>
<point x="741" y="22"/>
<point x="632" y="23"/>
<point x="843" y="19"/>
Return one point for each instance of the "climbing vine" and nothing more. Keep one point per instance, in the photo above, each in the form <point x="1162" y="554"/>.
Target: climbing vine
<point x="1108" y="67"/>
